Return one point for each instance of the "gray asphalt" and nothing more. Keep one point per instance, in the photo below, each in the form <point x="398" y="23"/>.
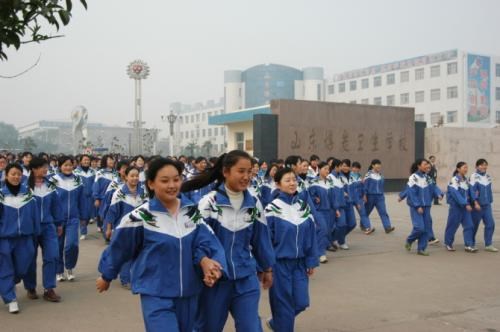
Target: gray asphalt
<point x="375" y="286"/>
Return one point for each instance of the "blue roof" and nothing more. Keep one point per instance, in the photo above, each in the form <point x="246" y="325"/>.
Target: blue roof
<point x="241" y="116"/>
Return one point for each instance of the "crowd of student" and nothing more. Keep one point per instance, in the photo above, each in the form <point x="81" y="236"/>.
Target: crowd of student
<point x="196" y="237"/>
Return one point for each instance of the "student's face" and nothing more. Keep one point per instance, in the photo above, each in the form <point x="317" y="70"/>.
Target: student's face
<point x="94" y="163"/>
<point x="166" y="184"/>
<point x="133" y="177"/>
<point x="67" y="167"/>
<point x="432" y="159"/>
<point x="314" y="163"/>
<point x="3" y="164"/>
<point x="122" y="170"/>
<point x="110" y="163"/>
<point x="355" y="170"/>
<point x="288" y="183"/>
<point x="27" y="159"/>
<point x="463" y="170"/>
<point x="255" y="169"/>
<point x="139" y="162"/>
<point x="324" y="171"/>
<point x="238" y="176"/>
<point x="377" y="167"/>
<point x="201" y="166"/>
<point x="424" y="167"/>
<point x="345" y="168"/>
<point x="40" y="171"/>
<point x="14" y="176"/>
<point x="273" y="171"/>
<point x="85" y="162"/>
<point x="263" y="167"/>
<point x="304" y="166"/>
<point x="482" y="168"/>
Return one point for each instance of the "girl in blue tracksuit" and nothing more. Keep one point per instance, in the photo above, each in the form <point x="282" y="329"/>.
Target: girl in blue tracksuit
<point x="350" y="188"/>
<point x="320" y="191"/>
<point x="200" y="165"/>
<point x="140" y="162"/>
<point x="19" y="224"/>
<point x="256" y="181"/>
<point x="70" y="199"/>
<point x="268" y="188"/>
<point x="338" y="203"/>
<point x="87" y="175"/>
<point x="238" y="220"/>
<point x="117" y="182"/>
<point x="374" y="194"/>
<point x="460" y="199"/>
<point x="128" y="197"/>
<point x="293" y="234"/>
<point x="3" y="164"/>
<point x="358" y="193"/>
<point x="103" y="178"/>
<point x="168" y="242"/>
<point x="45" y="195"/>
<point x="480" y="183"/>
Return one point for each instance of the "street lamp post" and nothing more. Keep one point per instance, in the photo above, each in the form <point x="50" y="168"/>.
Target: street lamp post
<point x="171" y="118"/>
<point x="138" y="70"/>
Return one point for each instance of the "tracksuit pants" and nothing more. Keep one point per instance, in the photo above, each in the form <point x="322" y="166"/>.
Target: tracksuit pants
<point x="378" y="201"/>
<point x="289" y="294"/>
<point x="47" y="240"/>
<point x="486" y="215"/>
<point x="68" y="246"/>
<point x="421" y="226"/>
<point x="364" y="221"/>
<point x="324" y="223"/>
<point x="168" y="314"/>
<point x="457" y="216"/>
<point x="240" y="297"/>
<point x="16" y="255"/>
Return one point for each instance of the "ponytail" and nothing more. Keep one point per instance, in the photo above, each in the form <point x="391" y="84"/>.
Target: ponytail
<point x="459" y="165"/>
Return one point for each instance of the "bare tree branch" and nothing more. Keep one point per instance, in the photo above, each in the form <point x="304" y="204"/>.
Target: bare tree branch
<point x="25" y="71"/>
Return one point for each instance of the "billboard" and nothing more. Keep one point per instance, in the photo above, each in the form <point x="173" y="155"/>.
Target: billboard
<point x="478" y="88"/>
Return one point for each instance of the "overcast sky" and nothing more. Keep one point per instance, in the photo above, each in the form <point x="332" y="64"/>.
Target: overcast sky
<point x="188" y="44"/>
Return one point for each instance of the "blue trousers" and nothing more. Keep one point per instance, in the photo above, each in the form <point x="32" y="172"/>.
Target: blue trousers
<point x="431" y="229"/>
<point x="421" y="226"/>
<point x="324" y="224"/>
<point x="168" y="314"/>
<point x="350" y="223"/>
<point x="289" y="294"/>
<point x="47" y="240"/>
<point x="340" y="224"/>
<point x="68" y="246"/>
<point x="240" y="297"/>
<point x="457" y="216"/>
<point x="364" y="221"/>
<point x="486" y="216"/>
<point x="16" y="255"/>
<point x="378" y="202"/>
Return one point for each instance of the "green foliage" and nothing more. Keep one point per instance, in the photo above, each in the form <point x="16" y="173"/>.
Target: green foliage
<point x="19" y="19"/>
<point x="9" y="136"/>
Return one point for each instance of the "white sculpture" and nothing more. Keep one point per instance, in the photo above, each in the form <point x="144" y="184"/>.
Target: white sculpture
<point x="79" y="117"/>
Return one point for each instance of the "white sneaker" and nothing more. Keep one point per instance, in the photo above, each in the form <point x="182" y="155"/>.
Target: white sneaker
<point x="69" y="275"/>
<point x="13" y="307"/>
<point x="344" y="246"/>
<point x="435" y="241"/>
<point x="490" y="249"/>
<point x="323" y="259"/>
<point x="91" y="221"/>
<point x="60" y="277"/>
<point x="83" y="237"/>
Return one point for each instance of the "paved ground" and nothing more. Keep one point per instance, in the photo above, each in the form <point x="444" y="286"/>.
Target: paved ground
<point x="376" y="286"/>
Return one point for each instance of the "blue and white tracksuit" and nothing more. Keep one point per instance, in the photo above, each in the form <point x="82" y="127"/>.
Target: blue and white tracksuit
<point x="458" y="197"/>
<point x="481" y="186"/>
<point x="268" y="191"/>
<point x="19" y="224"/>
<point x="108" y="195"/>
<point x="103" y="178"/>
<point x="123" y="202"/>
<point x="244" y="235"/>
<point x="88" y="208"/>
<point x="350" y="189"/>
<point x="374" y="190"/>
<point x="357" y="192"/>
<point x="293" y="234"/>
<point x="166" y="251"/>
<point x="69" y="202"/>
<point x="197" y="194"/>
<point x="320" y="192"/>
<point x="50" y="218"/>
<point x="256" y="187"/>
<point x="338" y="203"/>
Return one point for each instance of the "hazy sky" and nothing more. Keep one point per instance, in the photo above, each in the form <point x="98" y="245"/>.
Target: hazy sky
<point x="188" y="44"/>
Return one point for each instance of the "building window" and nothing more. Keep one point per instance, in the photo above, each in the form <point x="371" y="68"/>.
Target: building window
<point x="239" y="92"/>
<point x="180" y="119"/>
<point x="209" y="114"/>
<point x="186" y="134"/>
<point x="192" y="118"/>
<point x="198" y="133"/>
<point x="318" y="91"/>
<point x="497" y="93"/>
<point x="452" y="92"/>
<point x="419" y="117"/>
<point x="436" y="119"/>
<point x="419" y="74"/>
<point x="404" y="99"/>
<point x="203" y="116"/>
<point x="377" y="81"/>
<point x="352" y="85"/>
<point x="209" y="132"/>
<point x="331" y="89"/>
<point x="451" y="116"/>
<point x="497" y="67"/>
<point x="365" y="83"/>
<point x="240" y="141"/>
<point x="452" y="68"/>
<point x="182" y="134"/>
<point x="405" y="76"/>
<point x="197" y="118"/>
<point x="364" y="101"/>
<point x="192" y="133"/>
<point x="419" y="96"/>
<point x="223" y="131"/>
<point x="377" y="101"/>
<point x="216" y="131"/>
<point x="435" y="94"/>
<point x="341" y="87"/>
<point x="203" y="133"/>
<point x="435" y="71"/>
<point x="187" y="119"/>
<point x="390" y="100"/>
<point x="391" y="79"/>
<point x="352" y="102"/>
<point x="497" y="117"/>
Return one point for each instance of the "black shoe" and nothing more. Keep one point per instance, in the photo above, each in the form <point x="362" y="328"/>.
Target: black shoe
<point x="390" y="229"/>
<point x="32" y="295"/>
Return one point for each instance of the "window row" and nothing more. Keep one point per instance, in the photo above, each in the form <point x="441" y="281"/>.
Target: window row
<point x="196" y="117"/>
<point x="203" y="132"/>
<point x="404" y="98"/>
<point x="451" y="117"/>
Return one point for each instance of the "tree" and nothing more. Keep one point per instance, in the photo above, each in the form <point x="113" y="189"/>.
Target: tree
<point x="9" y="136"/>
<point x="28" y="143"/>
<point x="19" y="19"/>
<point x="207" y="146"/>
<point x="191" y="147"/>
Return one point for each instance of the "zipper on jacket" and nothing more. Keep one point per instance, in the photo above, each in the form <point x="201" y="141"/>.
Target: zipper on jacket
<point x="297" y="242"/>
<point x="232" y="244"/>
<point x="180" y="251"/>
<point x="18" y="221"/>
<point x="41" y="212"/>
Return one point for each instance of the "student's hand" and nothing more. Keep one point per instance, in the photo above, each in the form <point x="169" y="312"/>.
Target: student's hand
<point x="337" y="213"/>
<point x="266" y="279"/>
<point x="317" y="200"/>
<point x="420" y="210"/>
<point x="359" y="206"/>
<point x="477" y="206"/>
<point x="101" y="285"/>
<point x="212" y="271"/>
<point x="59" y="230"/>
<point x="399" y="199"/>
<point x="108" y="234"/>
<point x="365" y="199"/>
<point x="97" y="203"/>
<point x="468" y="208"/>
<point x="310" y="272"/>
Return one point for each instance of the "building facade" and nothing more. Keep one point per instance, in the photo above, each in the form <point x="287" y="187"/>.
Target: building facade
<point x="452" y="88"/>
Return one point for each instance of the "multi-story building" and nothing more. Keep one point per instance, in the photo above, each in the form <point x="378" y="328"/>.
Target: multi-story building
<point x="192" y="133"/>
<point x="451" y="88"/>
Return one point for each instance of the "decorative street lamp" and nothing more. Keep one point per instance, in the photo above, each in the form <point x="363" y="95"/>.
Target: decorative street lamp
<point x="171" y="118"/>
<point x="138" y="70"/>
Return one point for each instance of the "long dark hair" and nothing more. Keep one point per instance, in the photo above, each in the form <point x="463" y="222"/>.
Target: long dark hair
<point x="418" y="162"/>
<point x="459" y="165"/>
<point x="155" y="166"/>
<point x="215" y="174"/>
<point x="35" y="163"/>
<point x="373" y="163"/>
<point x="104" y="160"/>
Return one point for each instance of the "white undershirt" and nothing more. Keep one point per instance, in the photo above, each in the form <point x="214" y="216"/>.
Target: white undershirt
<point x="236" y="198"/>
